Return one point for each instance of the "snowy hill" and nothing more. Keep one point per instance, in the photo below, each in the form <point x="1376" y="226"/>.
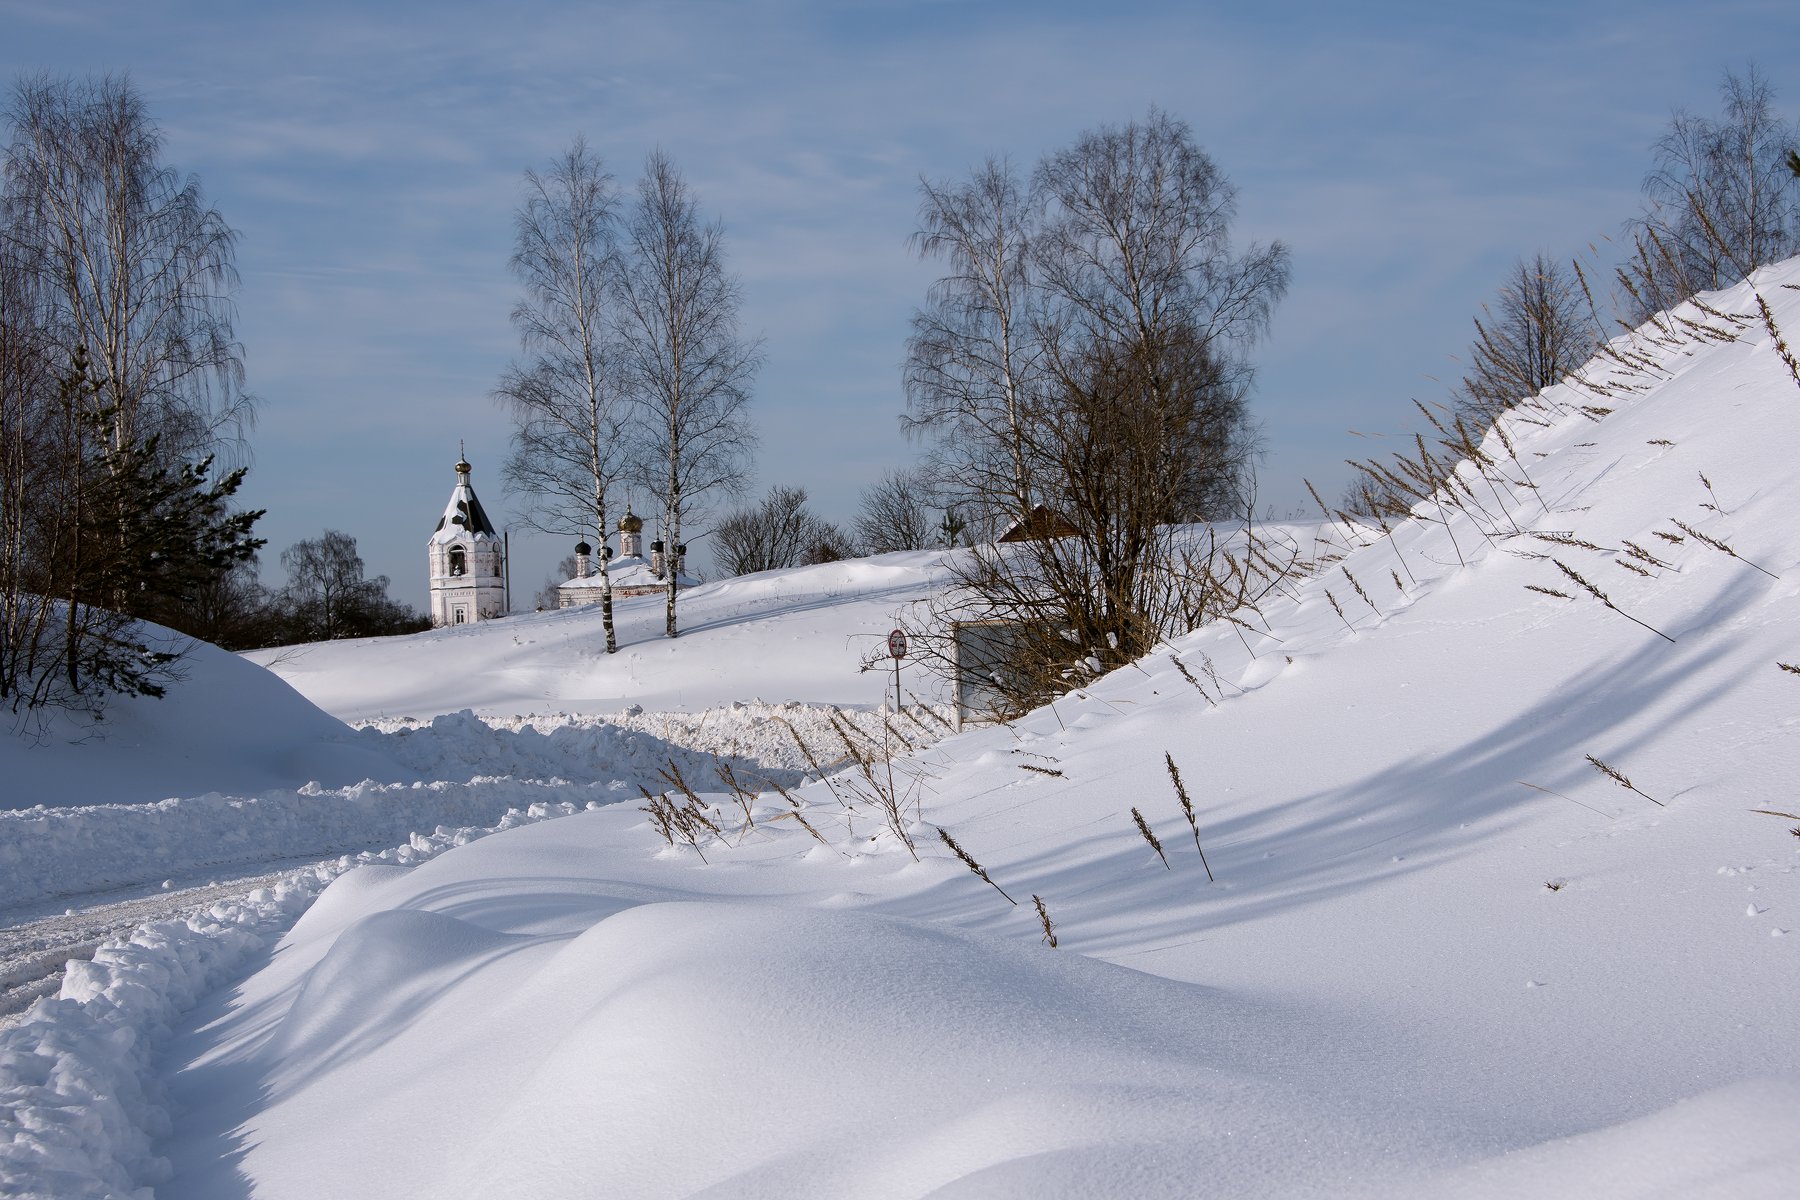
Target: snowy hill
<point x="1497" y="903"/>
<point x="778" y="636"/>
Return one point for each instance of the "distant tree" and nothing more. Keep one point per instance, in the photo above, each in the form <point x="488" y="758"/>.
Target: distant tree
<point x="975" y="357"/>
<point x="327" y="596"/>
<point x="137" y="268"/>
<point x="828" y="542"/>
<point x="571" y="443"/>
<point x="548" y="596"/>
<point x="952" y="530"/>
<point x="686" y="368"/>
<point x="1085" y="350"/>
<point x="1720" y="201"/>
<point x="776" y="532"/>
<point x="234" y="610"/>
<point x="1536" y="332"/>
<point x="896" y="515"/>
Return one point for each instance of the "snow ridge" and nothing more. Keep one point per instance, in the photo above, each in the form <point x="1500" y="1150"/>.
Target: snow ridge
<point x="76" y="1088"/>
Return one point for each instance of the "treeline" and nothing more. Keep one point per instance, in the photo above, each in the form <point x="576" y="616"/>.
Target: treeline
<point x="326" y="597"/>
<point x="899" y="512"/>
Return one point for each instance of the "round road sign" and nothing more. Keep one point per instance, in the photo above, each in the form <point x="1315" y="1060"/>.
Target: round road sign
<point x="897" y="643"/>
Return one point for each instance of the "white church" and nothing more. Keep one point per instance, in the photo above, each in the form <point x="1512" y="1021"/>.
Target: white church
<point x="468" y="560"/>
<point x="631" y="574"/>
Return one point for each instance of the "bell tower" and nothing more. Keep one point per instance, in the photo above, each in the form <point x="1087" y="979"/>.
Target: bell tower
<point x="468" y="559"/>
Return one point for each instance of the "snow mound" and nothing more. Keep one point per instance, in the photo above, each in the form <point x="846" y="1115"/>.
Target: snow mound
<point x="225" y="725"/>
<point x="1070" y="1077"/>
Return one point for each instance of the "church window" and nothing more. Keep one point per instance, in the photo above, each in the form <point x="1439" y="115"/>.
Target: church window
<point x="458" y="564"/>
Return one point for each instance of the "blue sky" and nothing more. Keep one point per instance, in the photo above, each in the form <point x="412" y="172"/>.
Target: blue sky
<point x="370" y="156"/>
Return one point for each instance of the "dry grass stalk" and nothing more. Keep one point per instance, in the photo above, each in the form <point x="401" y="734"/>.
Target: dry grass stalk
<point x="1339" y="610"/>
<point x="1189" y="676"/>
<point x="1044" y="919"/>
<point x="888" y="722"/>
<point x="1572" y="800"/>
<point x="1638" y="552"/>
<point x="1781" y="346"/>
<point x="806" y="751"/>
<point x="1671" y="538"/>
<point x="684" y="821"/>
<point x="881" y="787"/>
<point x="1532" y="587"/>
<point x="745" y="799"/>
<point x="1707" y="484"/>
<point x="1659" y="442"/>
<point x="1631" y="566"/>
<point x="1144" y="828"/>
<point x="969" y="862"/>
<point x="937" y="720"/>
<point x="672" y="774"/>
<point x="1558" y="538"/>
<point x="1716" y="544"/>
<point x="1359" y="589"/>
<point x="847" y="734"/>
<point x="1187" y="810"/>
<point x="1770" y="812"/>
<point x="1618" y="777"/>
<point x="1050" y="771"/>
<point x="1789" y="667"/>
<point x="800" y="817"/>
<point x="1602" y="597"/>
<point x="782" y="792"/>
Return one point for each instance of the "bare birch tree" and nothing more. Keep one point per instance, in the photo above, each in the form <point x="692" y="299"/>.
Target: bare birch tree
<point x="571" y="444"/>
<point x="973" y="361"/>
<point x="1537" y="331"/>
<point x="1720" y="202"/>
<point x="142" y="269"/>
<point x="688" y="370"/>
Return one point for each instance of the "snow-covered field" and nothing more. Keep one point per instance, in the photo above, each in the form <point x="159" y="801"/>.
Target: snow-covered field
<point x="1443" y="953"/>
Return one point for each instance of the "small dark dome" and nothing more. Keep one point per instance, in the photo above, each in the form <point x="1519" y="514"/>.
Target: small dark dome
<point x="583" y="548"/>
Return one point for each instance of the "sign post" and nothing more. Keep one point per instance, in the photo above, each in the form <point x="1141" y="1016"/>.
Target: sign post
<point x="897" y="650"/>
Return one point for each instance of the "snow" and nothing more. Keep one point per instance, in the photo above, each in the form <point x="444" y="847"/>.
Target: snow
<point x="1444" y="954"/>
<point x="226" y="726"/>
<point x="778" y="636"/>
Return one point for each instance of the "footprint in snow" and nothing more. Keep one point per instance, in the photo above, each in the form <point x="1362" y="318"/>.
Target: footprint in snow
<point x="1750" y="910"/>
